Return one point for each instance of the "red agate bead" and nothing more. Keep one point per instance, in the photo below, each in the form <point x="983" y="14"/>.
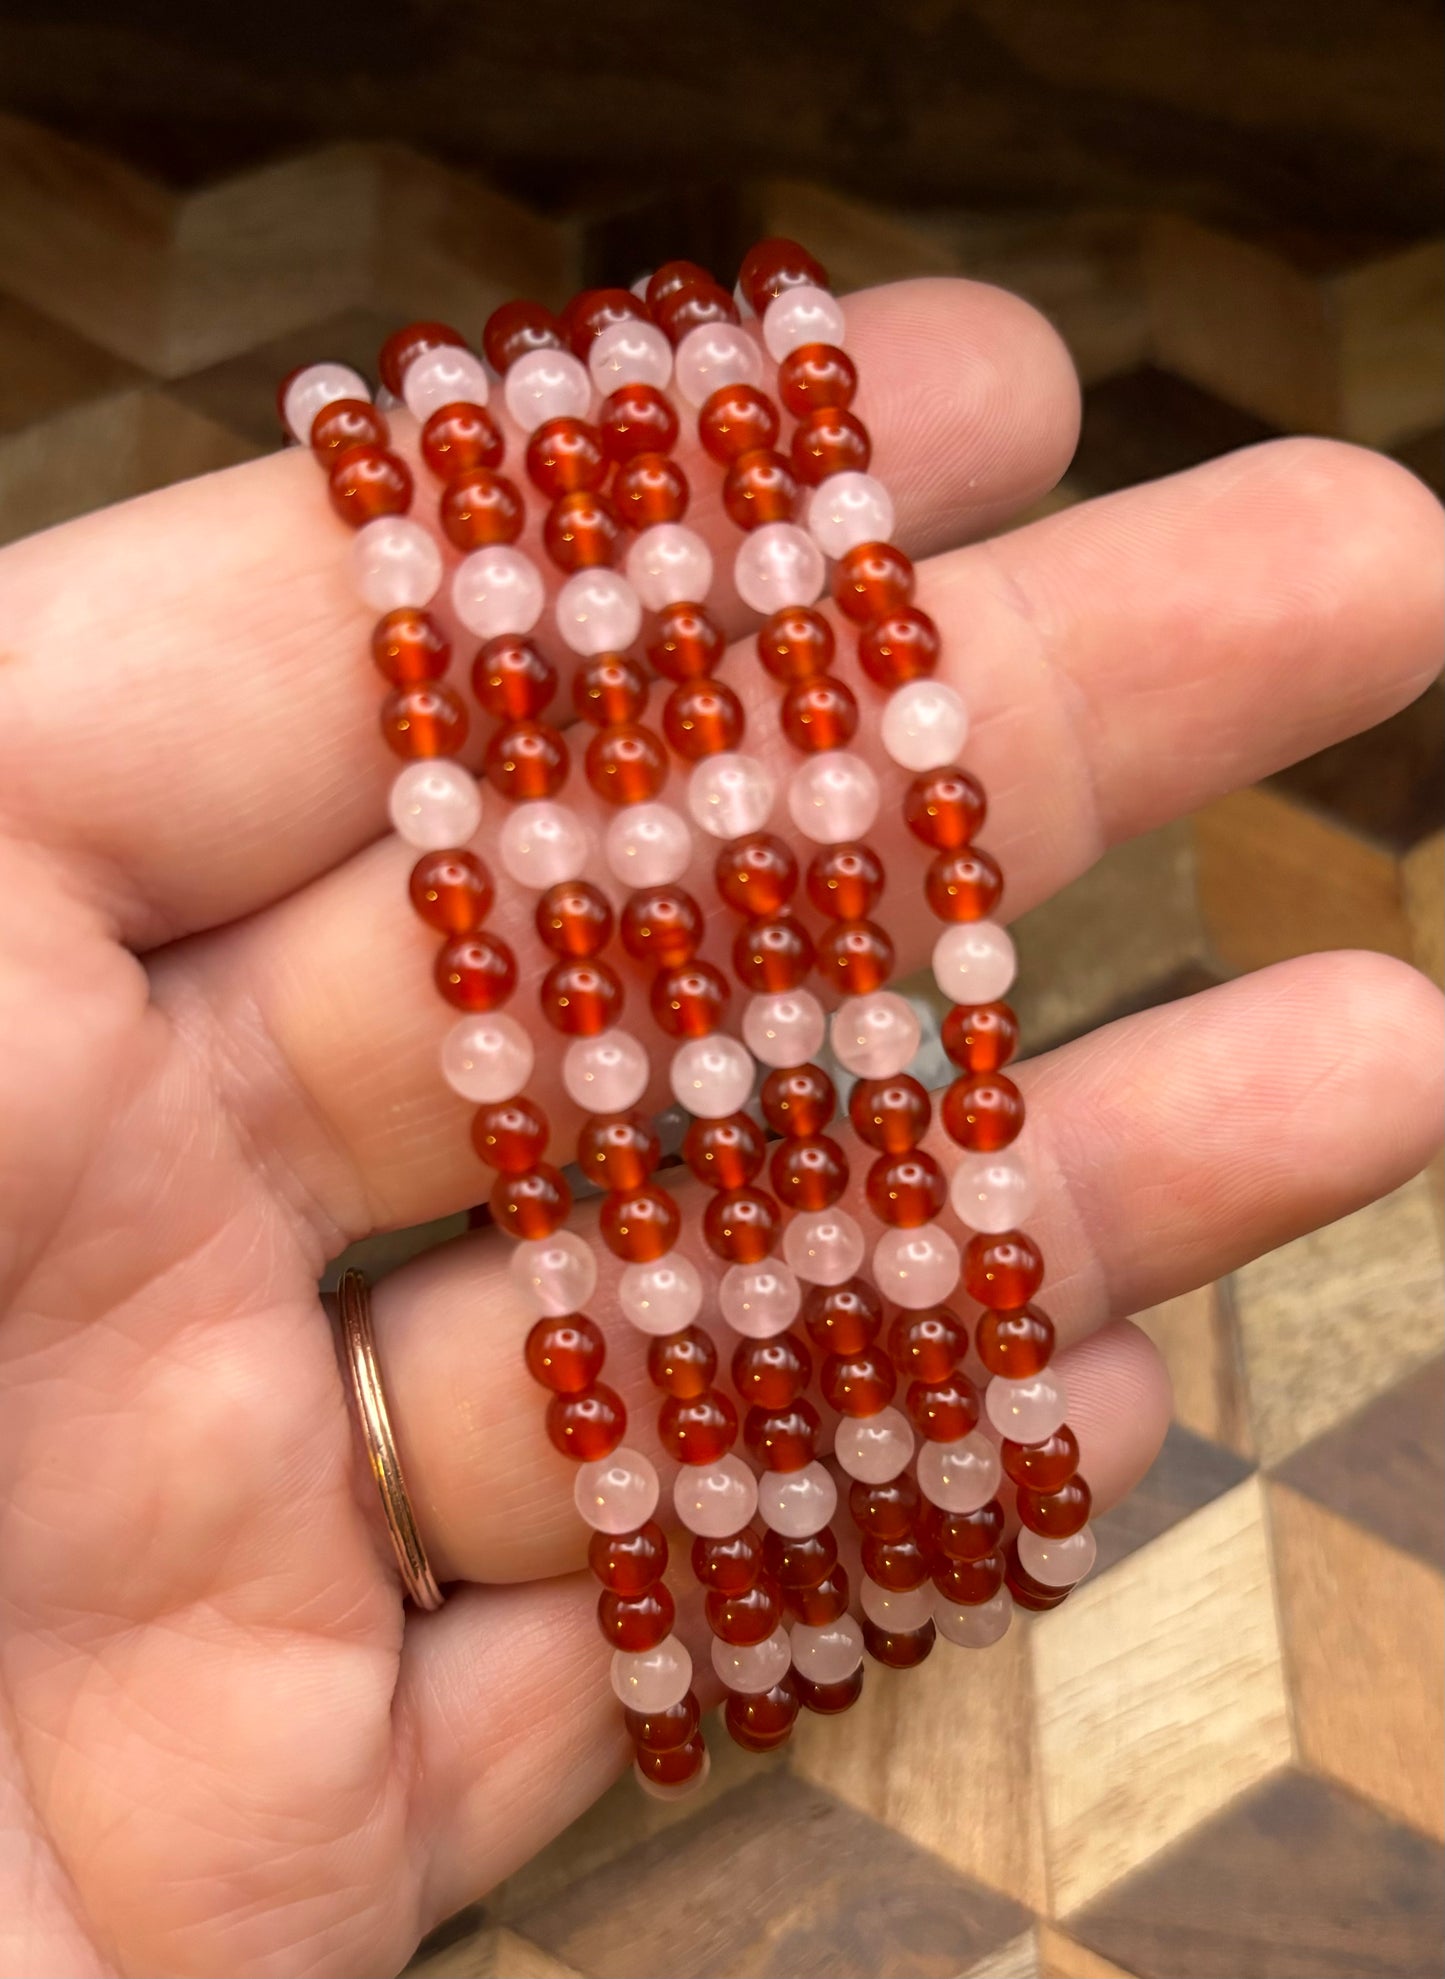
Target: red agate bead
<point x="776" y="264"/>
<point x="618" y="1150"/>
<point x="429" y="719"/>
<point x="636" y="1621"/>
<point x="574" y="918"/>
<point x="798" y="1099"/>
<point x="589" y="1425"/>
<point x="682" y="1363"/>
<point x="636" y="419"/>
<point x="891" y="1115"/>
<point x="907" y="1189"/>
<point x="1015" y="1344"/>
<point x="725" y="1153"/>
<point x="843" y="1319"/>
<point x="983" y="1111"/>
<point x="741" y="1225"/>
<point x="649" y="488"/>
<point x="580" y="996"/>
<point x="927" y="1345"/>
<point x="661" y="925"/>
<point x="819" y="713"/>
<point x="697" y="1429"/>
<point x="512" y="679"/>
<point x="409" y="646"/>
<point x="810" y="1173"/>
<point x="903" y="645"/>
<point x="525" y="760"/>
<point x="859" y="1383"/>
<point x="1042" y="1466"/>
<point x="609" y="689"/>
<point x="581" y="531"/>
<point x="845" y="881"/>
<point x="816" y="375"/>
<point x="1056" y="1514"/>
<point x="510" y="1134"/>
<point x="451" y="891"/>
<point x="690" y="1000"/>
<point x="746" y="1617"/>
<point x="565" y="455"/>
<point x="872" y="579"/>
<point x="965" y="885"/>
<point x="476" y="971"/>
<point x="1002" y="1272"/>
<point x="855" y="957"/>
<point x="830" y="441"/>
<point x="757" y="875"/>
<point x="595" y="310"/>
<point x="627" y="1562"/>
<point x="460" y="437"/>
<point x="944" y="808"/>
<point x="769" y="1374"/>
<point x="480" y="507"/>
<point x="980" y="1037"/>
<point x="347" y="423"/>
<point x="688" y="641"/>
<point x="702" y="717"/>
<point x="786" y="1438"/>
<point x="626" y="764"/>
<point x="366" y="482"/>
<point x="796" y="644"/>
<point x="885" y="1511"/>
<point x="729" y="1564"/>
<point x="737" y="420"/>
<point x="403" y="347"/>
<point x="760" y="487"/>
<point x="640" y="1224"/>
<point x="516" y="328"/>
<point x="565" y="1355"/>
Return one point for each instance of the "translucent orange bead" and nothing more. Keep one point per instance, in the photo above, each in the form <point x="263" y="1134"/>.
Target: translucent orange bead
<point x="830" y="441"/>
<point x="773" y="955"/>
<point x="821" y="713"/>
<point x="858" y="1384"/>
<point x="746" y="1617"/>
<point x="800" y="1562"/>
<point x="738" y="420"/>
<point x="725" y="1153"/>
<point x="846" y="881"/>
<point x="729" y="1564"/>
<point x="895" y="1563"/>
<point x="944" y="808"/>
<point x="796" y="643"/>
<point x="626" y="764"/>
<point x="510" y="1134"/>
<point x="526" y="760"/>
<point x="672" y="276"/>
<point x="1056" y="1514"/>
<point x="589" y="1425"/>
<point x="697" y="1429"/>
<point x="943" y="1410"/>
<point x="816" y="375"/>
<point x="689" y="307"/>
<point x="891" y="1115"/>
<point x="1002" y="1272"/>
<point x="1015" y="1344"/>
<point x="983" y="1111"/>
<point x="565" y="455"/>
<point x="927" y="1345"/>
<point x="1045" y="1466"/>
<point x="409" y="646"/>
<point x="511" y="679"/>
<point x="596" y="310"/>
<point x="980" y="1037"/>
<point x="741" y="1225"/>
<point x="1026" y="1591"/>
<point x="760" y="487"/>
<point x="347" y="423"/>
<point x="969" y="1535"/>
<point x="905" y="1190"/>
<point x="688" y="642"/>
<point x="476" y="971"/>
<point x="426" y="720"/>
<point x="532" y="1204"/>
<point x="618" y="1150"/>
<point x="842" y="1319"/>
<point x="871" y="580"/>
<point x="757" y="875"/>
<point x="627" y="1562"/>
<point x="965" y="885"/>
<point x="403" y="347"/>
<point x="609" y="689"/>
<point x="636" y="1621"/>
<point x="798" y="1099"/>
<point x="481" y="507"/>
<point x="855" y="957"/>
<point x="682" y="1363"/>
<point x="580" y="997"/>
<point x="649" y="488"/>
<point x="970" y="1582"/>
<point x="636" y="419"/>
<point x="365" y="482"/>
<point x="638" y="1225"/>
<point x="810" y="1173"/>
<point x="451" y="891"/>
<point x="817" y="1606"/>
<point x="458" y="438"/>
<point x="661" y="926"/>
<point x="581" y="531"/>
<point x="884" y="1511"/>
<point x="769" y="1374"/>
<point x="701" y="717"/>
<point x="664" y="1731"/>
<point x="762" y="1720"/>
<point x="565" y="1355"/>
<point x="573" y="918"/>
<point x="784" y="1439"/>
<point x="903" y="645"/>
<point x="690" y="1000"/>
<point x="674" y="1767"/>
<point x="514" y="329"/>
<point x="775" y="264"/>
<point x="829" y="1700"/>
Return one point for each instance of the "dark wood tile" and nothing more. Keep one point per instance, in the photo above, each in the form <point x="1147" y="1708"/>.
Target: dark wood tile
<point x="241" y="392"/>
<point x="1386" y="782"/>
<point x="1189" y="1472"/>
<point x="774" y="1881"/>
<point x="1425" y="456"/>
<point x="46" y="368"/>
<point x="1296" y="1881"/>
<point x="1384" y="1468"/>
<point x="1147" y="423"/>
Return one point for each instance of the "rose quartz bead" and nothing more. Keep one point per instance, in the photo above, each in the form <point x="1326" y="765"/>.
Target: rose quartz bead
<point x="617" y="1493"/>
<point x="669" y="564"/>
<point x="598" y="611"/>
<point x="435" y="804"/>
<point x="805" y="315"/>
<point x="547" y="384"/>
<point x="487" y="1058"/>
<point x="648" y="845"/>
<point x="629" y="353"/>
<point x="974" y="962"/>
<point x="714" y="355"/>
<point x="776" y="566"/>
<point x="848" y="509"/>
<point x="395" y="562"/>
<point x="497" y="589"/>
<point x="824" y="1246"/>
<point x="877" y="1036"/>
<point x="444" y="375"/>
<point x="916" y="1268"/>
<point x="797" y="1503"/>
<point x="833" y="797"/>
<point x="925" y="724"/>
<point x="711" y="1076"/>
<point x="1027" y="1411"/>
<point x="715" y="1499"/>
<point x="961" y="1476"/>
<point x="895" y="1608"/>
<point x="649" y="1680"/>
<point x="760" y="1300"/>
<point x="663" y="1296"/>
<point x="992" y="1192"/>
<point x="730" y="794"/>
<point x="786" y="1029"/>
<point x="313" y="389"/>
<point x="973" y="1628"/>
<point x="1057" y="1562"/>
<point x="756" y="1666"/>
<point x="556" y="1275"/>
<point x="830" y="1654"/>
<point x="875" y="1448"/>
<point x="606" y="1074"/>
<point x="542" y="844"/>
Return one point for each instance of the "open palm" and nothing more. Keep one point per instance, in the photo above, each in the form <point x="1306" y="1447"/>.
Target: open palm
<point x="225" y="1748"/>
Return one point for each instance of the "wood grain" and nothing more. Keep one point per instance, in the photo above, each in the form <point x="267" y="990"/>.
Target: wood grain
<point x="1061" y="1958"/>
<point x="1384" y="1468"/>
<point x="1198" y="1336"/>
<point x="1188" y="1472"/>
<point x="1424" y="874"/>
<point x="490" y="1952"/>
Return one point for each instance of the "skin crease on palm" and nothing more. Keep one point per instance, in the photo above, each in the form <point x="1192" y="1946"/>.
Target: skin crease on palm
<point x="225" y="1749"/>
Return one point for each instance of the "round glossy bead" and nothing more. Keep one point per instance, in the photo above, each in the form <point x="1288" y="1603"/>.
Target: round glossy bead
<point x="759" y="1300"/>
<point x="609" y="689"/>
<point x="629" y="1561"/>
<point x="1016" y="1345"/>
<point x="730" y="794"/>
<point x="626" y="764"/>
<point x="697" y="1429"/>
<point x="597" y="611"/>
<point x="586" y="1426"/>
<point x="595" y="311"/>
<point x="565" y="1355"/>
<point x="702" y="717"/>
<point x="762" y="1721"/>
<point x="983" y="1112"/>
<point x="476" y="971"/>
<point x="943" y="1411"/>
<point x="961" y="1476"/>
<point x="925" y="724"/>
<point x="760" y="487"/>
<point x="546" y="384"/>
<point x="662" y="1297"/>
<point x="395" y="562"/>
<point x="876" y="1036"/>
<point x="974" y="962"/>
<point x="526" y="759"/>
<point x="737" y="420"/>
<point x="669" y="1776"/>
<point x="773" y="265"/>
<point x="805" y="314"/>
<point x="902" y="647"/>
<point x="927" y="1345"/>
<point x="307" y="392"/>
<point x="1056" y="1514"/>
<point x="891" y="1115"/>
<point x="796" y="644"/>
<point x="747" y="1617"/>
<point x="712" y="356"/>
<point x="574" y="918"/>
<point x="542" y="844"/>
<point x="652" y="489"/>
<point x="847" y="508"/>
<point x="916" y="1268"/>
<point x="511" y="1134"/>
<point x="715" y="1499"/>
<point x="843" y="1319"/>
<point x="896" y="1564"/>
<point x="445" y="376"/>
<point x="944" y="808"/>
<point x="1028" y="1410"/>
<point x="815" y="375"/>
<point x="435" y="805"/>
<point x="682" y="1363"/>
<point x="479" y="508"/>
<point x="640" y="1225"/>
<point x="969" y="1535"/>
<point x="757" y="875"/>
<point x="963" y="886"/>
<point x="753" y="1669"/>
<point x="690" y="1000"/>
<point x="816" y="1607"/>
<point x="580" y="997"/>
<point x="773" y="956"/>
<point x="980" y="1037"/>
<point x="992" y="1192"/>
<point x="831" y="442"/>
<point x="618" y="1494"/>
<point x="581" y="531"/>
<point x="970" y="1583"/>
<point x="778" y="565"/>
<point x="833" y="796"/>
<point x="1044" y="1466"/>
<point x="771" y="1373"/>
<point x="741" y="1225"/>
<point x="730" y="1564"/>
<point x="726" y="1153"/>
<point x="808" y="1174"/>
<point x="648" y="845"/>
<point x="607" y="1074"/>
<point x="1003" y="1271"/>
<point x="665" y="1731"/>
<point x="534" y="1204"/>
<point x="512" y="679"/>
<point x="636" y="419"/>
<point x="820" y="713"/>
<point x="784" y="1029"/>
<point x="487" y="1059"/>
<point x="824" y="1246"/>
<point x="459" y="437"/>
<point x="451" y="891"/>
<point x="906" y="1189"/>
<point x="973" y="1627"/>
<point x="497" y="590"/>
<point x="408" y="646"/>
<point x="873" y="584"/>
<point x="797" y="1503"/>
<point x="1057" y="1562"/>
<point x="556" y="1275"/>
<point x="688" y="643"/>
<point x="711" y="1076"/>
<point x="669" y="564"/>
<point x="798" y="1100"/>
<point x="874" y="1448"/>
<point x="344" y="424"/>
<point x="858" y="1384"/>
<point x="403" y="347"/>
<point x="636" y="1621"/>
<point x="895" y="1610"/>
<point x="855" y="957"/>
<point x="618" y="1150"/>
<point x="652" y="1680"/>
<point x="887" y="1510"/>
<point x="629" y="352"/>
<point x="845" y="882"/>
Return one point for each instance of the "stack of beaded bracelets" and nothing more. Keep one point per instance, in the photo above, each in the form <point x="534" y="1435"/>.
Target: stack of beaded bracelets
<point x="934" y="1556"/>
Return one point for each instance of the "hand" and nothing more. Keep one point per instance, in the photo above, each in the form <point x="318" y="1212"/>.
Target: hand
<point x="225" y="1748"/>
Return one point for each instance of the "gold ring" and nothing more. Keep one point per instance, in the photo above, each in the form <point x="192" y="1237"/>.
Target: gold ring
<point x="353" y="1299"/>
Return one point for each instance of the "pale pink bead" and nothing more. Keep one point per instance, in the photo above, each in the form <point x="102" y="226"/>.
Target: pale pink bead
<point x="714" y="355"/>
<point x="497" y="589"/>
<point x="435" y="803"/>
<point x="760" y="1300"/>
<point x="715" y="1499"/>
<point x="992" y="1192"/>
<point x="542" y="844"/>
<point x="804" y="315"/>
<point x="797" y="1503"/>
<point x="555" y="1275"/>
<point x="1058" y="1562"/>
<point x="1026" y="1411"/>
<point x="961" y="1476"/>
<point x="547" y="384"/>
<point x="778" y="565"/>
<point x="395" y="562"/>
<point x="617" y="1493"/>
<point x="976" y="1627"/>
<point x="606" y="1074"/>
<point x="916" y="1268"/>
<point x="827" y="1655"/>
<point x="745" y="308"/>
<point x="824" y="1246"/>
<point x="669" y="564"/>
<point x="786" y="1028"/>
<point x="598" y="611"/>
<point x="753" y="1666"/>
<point x="639" y="287"/>
<point x="925" y="725"/>
<point x="630" y="353"/>
<point x="447" y="375"/>
<point x="848" y="509"/>
<point x="662" y="1296"/>
<point x="877" y="1035"/>
<point x="487" y="1058"/>
<point x="874" y="1448"/>
<point x="974" y="962"/>
<point x="652" y="1679"/>
<point x="669" y="1790"/>
<point x="648" y="845"/>
<point x="711" y="1076"/>
<point x="833" y="797"/>
<point x="895" y="1607"/>
<point x="730" y="794"/>
<point x="318" y="386"/>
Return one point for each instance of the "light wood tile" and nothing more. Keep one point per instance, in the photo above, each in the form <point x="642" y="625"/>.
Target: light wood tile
<point x="1160" y="1696"/>
<point x="491" y="1952"/>
<point x="1061" y="1958"/>
<point x="446" y="245"/>
<point x="1199" y="1339"/>
<point x="1424" y="876"/>
<point x="1364" y="1631"/>
<point x="1383" y="1468"/>
<point x="1018" y="1960"/>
